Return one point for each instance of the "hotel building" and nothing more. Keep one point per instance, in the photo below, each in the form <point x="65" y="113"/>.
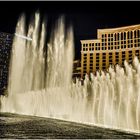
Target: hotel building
<point x="112" y="47"/>
<point x="76" y="69"/>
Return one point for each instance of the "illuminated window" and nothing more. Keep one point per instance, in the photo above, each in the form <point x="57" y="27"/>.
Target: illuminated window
<point x="115" y="37"/>
<point x="91" y="54"/>
<point x="122" y="36"/>
<point x="130" y="52"/>
<point x="137" y="52"/>
<point x="138" y="33"/>
<point x="118" y="36"/>
<point x="123" y="52"/>
<point x="85" y="58"/>
<point x="135" y="34"/>
<point x="97" y="64"/>
<point x="128" y="35"/>
<point x="131" y="34"/>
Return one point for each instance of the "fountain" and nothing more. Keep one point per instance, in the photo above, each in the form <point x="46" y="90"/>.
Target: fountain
<point x="42" y="86"/>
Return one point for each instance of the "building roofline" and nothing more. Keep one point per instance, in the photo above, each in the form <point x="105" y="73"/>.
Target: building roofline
<point x="119" y="28"/>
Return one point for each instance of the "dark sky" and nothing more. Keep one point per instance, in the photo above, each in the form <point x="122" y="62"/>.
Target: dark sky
<point x="86" y="17"/>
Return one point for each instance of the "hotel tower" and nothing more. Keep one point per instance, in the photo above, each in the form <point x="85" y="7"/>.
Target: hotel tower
<point x="112" y="47"/>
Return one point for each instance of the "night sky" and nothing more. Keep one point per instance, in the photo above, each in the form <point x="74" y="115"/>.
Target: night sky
<point x="86" y="17"/>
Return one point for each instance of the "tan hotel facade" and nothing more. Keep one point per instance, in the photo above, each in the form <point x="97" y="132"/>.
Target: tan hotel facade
<point x="112" y="47"/>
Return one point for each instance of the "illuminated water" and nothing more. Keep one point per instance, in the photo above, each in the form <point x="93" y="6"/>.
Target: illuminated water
<point x="43" y="86"/>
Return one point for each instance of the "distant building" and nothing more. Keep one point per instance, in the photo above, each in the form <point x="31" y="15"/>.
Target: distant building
<point x="5" y="48"/>
<point x="76" y="68"/>
<point x="112" y="47"/>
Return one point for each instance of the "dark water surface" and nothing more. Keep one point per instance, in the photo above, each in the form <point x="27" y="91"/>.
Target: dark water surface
<point x="15" y="126"/>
